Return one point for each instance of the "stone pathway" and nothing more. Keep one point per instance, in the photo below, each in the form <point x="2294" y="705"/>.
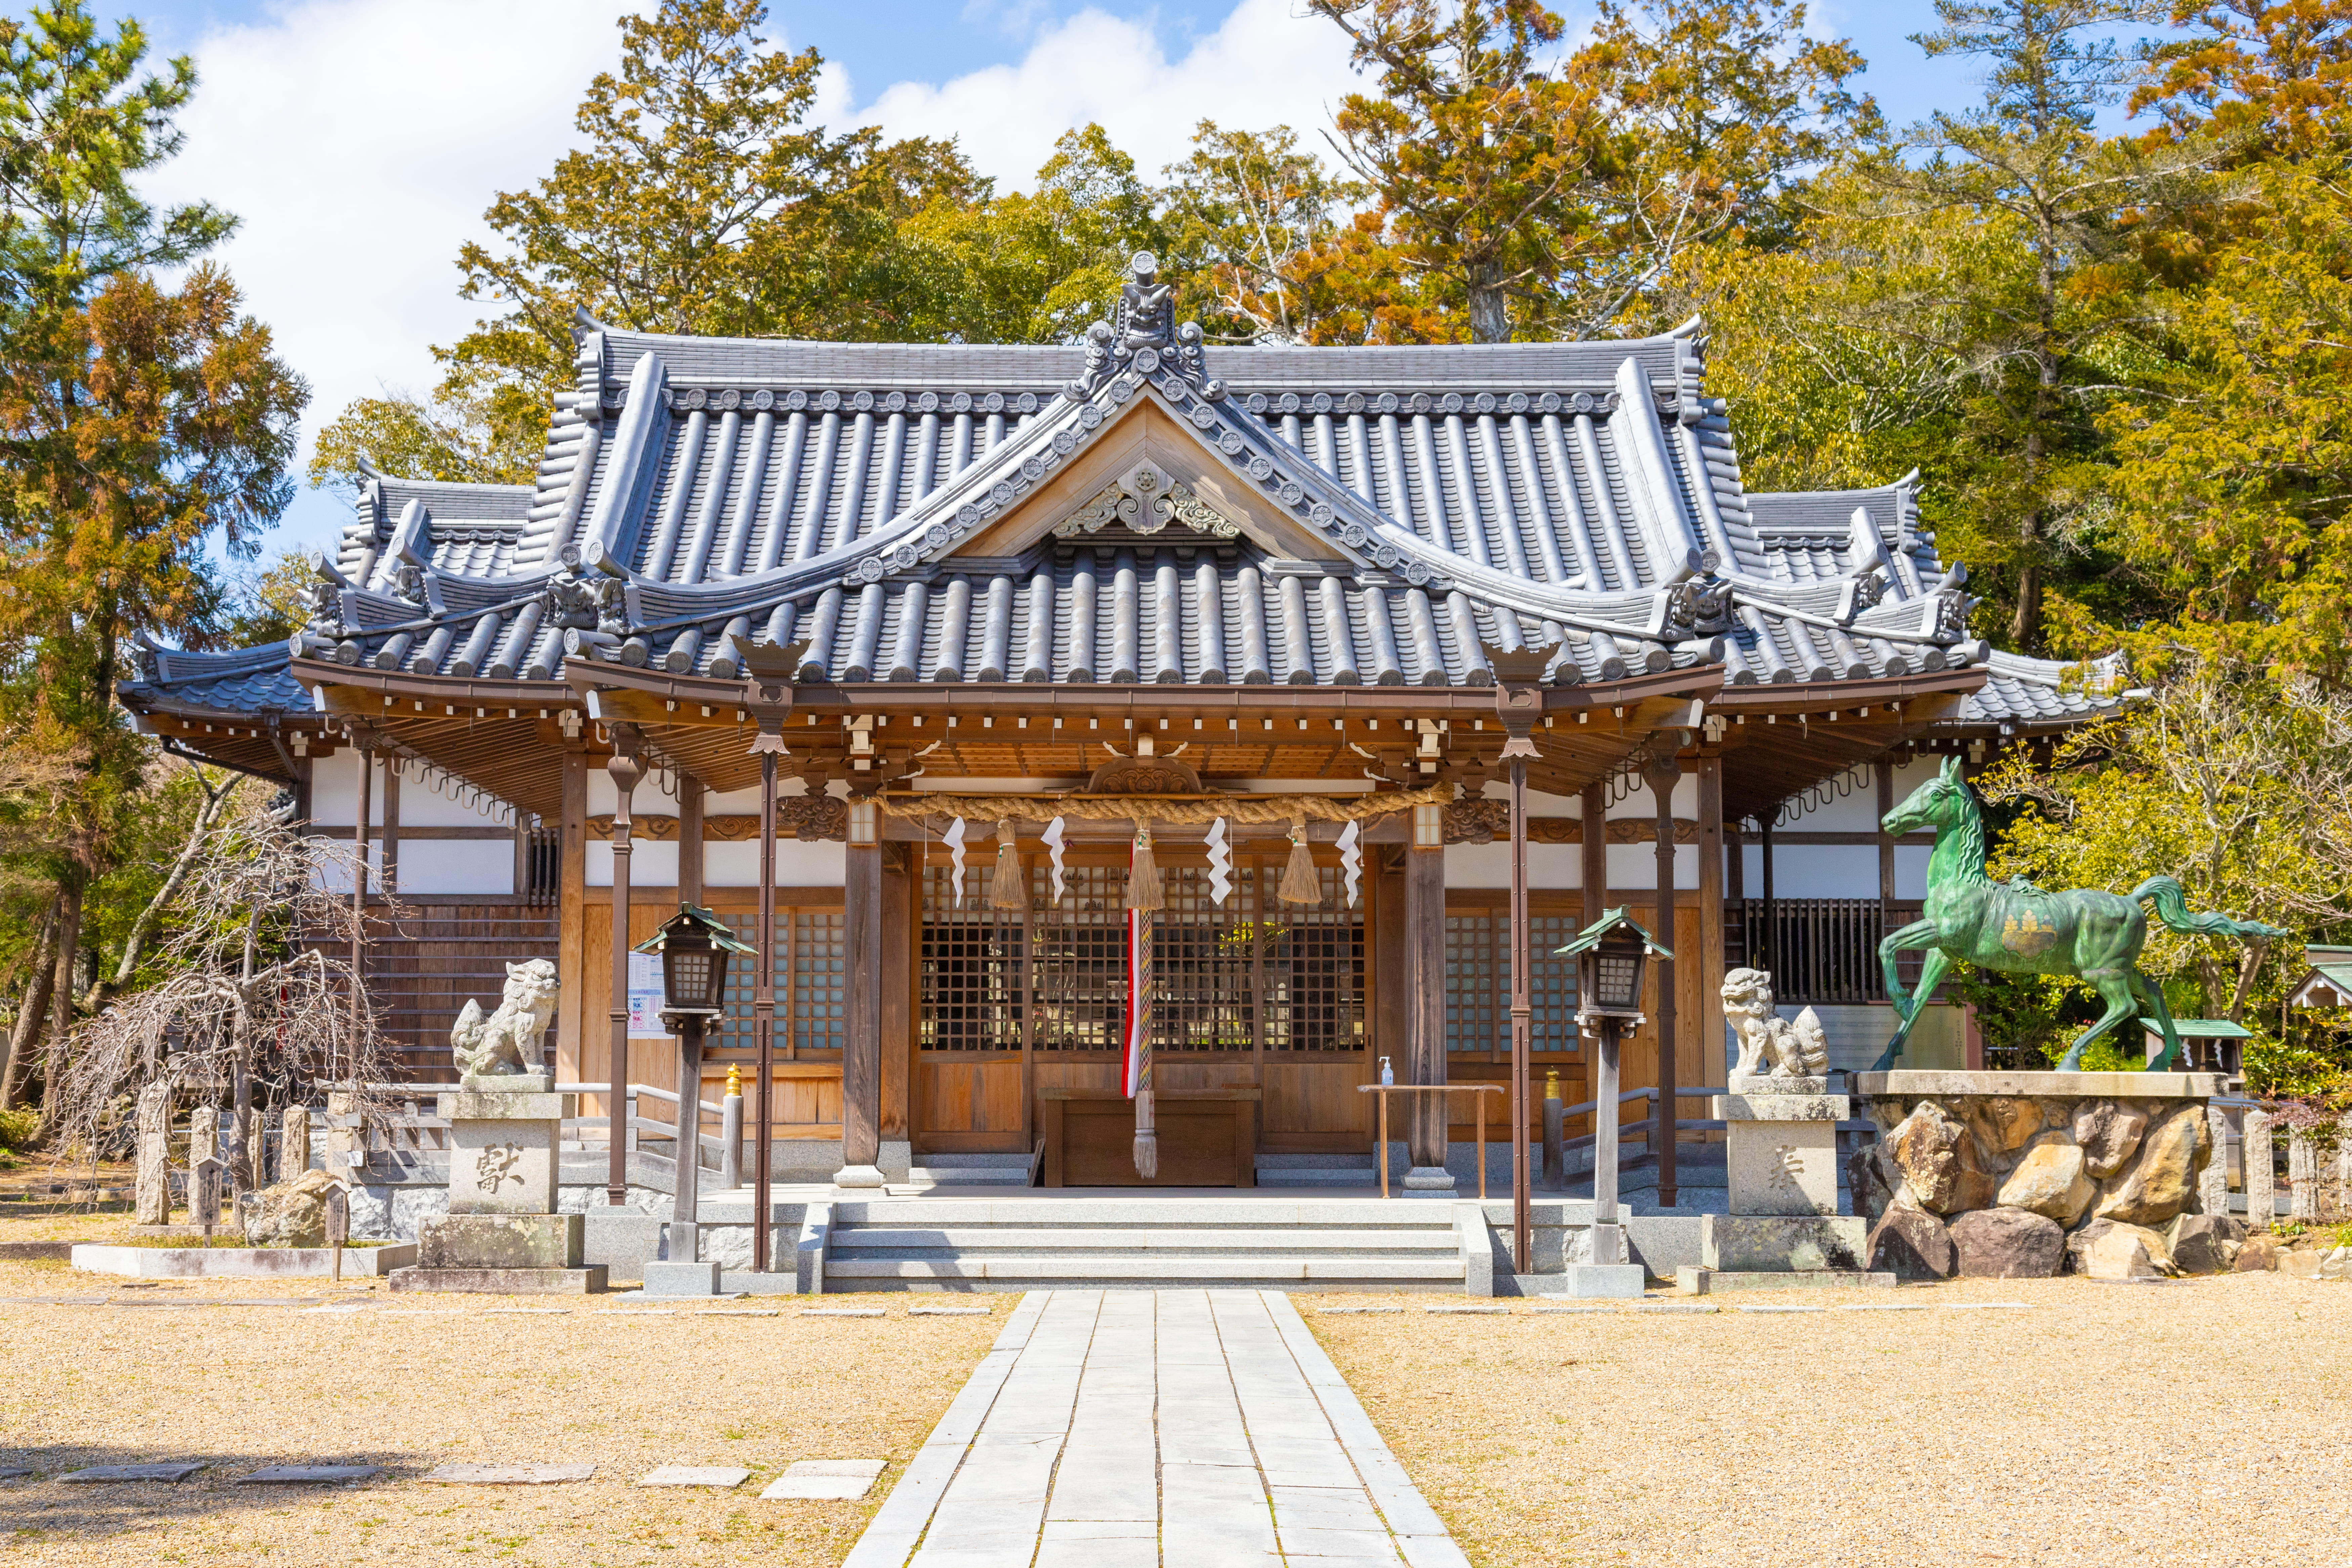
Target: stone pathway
<point x="1133" y="1429"/>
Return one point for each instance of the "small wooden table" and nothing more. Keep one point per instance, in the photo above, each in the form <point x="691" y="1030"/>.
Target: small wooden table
<point x="1208" y="1137"/>
<point x="1385" y="1090"/>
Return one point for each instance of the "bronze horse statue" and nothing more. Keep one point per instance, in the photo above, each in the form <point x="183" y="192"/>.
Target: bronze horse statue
<point x="2020" y="929"/>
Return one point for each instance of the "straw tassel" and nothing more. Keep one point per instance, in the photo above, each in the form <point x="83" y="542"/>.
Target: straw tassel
<point x="1300" y="885"/>
<point x="1143" y="891"/>
<point x="1146" y="1138"/>
<point x="1004" y="890"/>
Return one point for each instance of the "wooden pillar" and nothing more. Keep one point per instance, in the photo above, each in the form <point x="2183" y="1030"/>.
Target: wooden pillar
<point x="572" y="918"/>
<point x="1592" y="859"/>
<point x="1763" y="957"/>
<point x="1885" y="771"/>
<point x="896" y="980"/>
<point x="625" y="771"/>
<point x="389" y="877"/>
<point x="1710" y="912"/>
<point x="1425" y="925"/>
<point x="359" y="886"/>
<point x="1660" y="775"/>
<point x="690" y="839"/>
<point x="1391" y="970"/>
<point x="861" y="1054"/>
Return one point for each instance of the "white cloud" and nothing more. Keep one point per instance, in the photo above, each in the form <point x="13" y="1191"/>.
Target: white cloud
<point x="1265" y="65"/>
<point x="359" y="142"/>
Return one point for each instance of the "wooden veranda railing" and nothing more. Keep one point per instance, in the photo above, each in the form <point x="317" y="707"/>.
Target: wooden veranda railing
<point x="1822" y="951"/>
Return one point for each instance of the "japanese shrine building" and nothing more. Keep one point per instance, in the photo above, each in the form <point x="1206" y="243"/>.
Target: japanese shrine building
<point x="1126" y="571"/>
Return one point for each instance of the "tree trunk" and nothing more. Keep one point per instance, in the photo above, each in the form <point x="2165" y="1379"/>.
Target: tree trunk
<point x="1490" y="307"/>
<point x="61" y="994"/>
<point x="134" y="944"/>
<point x="31" y="1010"/>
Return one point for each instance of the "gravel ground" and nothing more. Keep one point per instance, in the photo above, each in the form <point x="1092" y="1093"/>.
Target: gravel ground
<point x="2204" y="1421"/>
<point x="244" y="1386"/>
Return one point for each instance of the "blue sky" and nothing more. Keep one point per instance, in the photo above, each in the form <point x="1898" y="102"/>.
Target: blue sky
<point x="360" y="140"/>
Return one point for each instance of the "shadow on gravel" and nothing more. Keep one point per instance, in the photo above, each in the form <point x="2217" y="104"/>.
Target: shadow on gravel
<point x="41" y="1505"/>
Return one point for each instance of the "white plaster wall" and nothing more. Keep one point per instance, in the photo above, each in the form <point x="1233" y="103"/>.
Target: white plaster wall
<point x="1818" y="871"/>
<point x="652" y="864"/>
<point x="334" y="790"/>
<point x="1549" y="865"/>
<point x="799" y="864"/>
<point x="333" y="869"/>
<point x="454" y="865"/>
<point x="655" y="795"/>
<point x="424" y="805"/>
<point x="1911" y="872"/>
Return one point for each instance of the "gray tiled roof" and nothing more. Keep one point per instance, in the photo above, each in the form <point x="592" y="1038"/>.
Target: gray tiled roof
<point x="1588" y="493"/>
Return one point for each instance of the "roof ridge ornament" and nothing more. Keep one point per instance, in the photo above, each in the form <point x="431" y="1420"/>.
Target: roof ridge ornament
<point x="1142" y="335"/>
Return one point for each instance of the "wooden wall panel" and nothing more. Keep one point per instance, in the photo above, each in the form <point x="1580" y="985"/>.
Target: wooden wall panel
<point x="1309" y="1103"/>
<point x="963" y="1104"/>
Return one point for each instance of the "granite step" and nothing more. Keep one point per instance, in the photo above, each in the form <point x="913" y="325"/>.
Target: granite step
<point x="1137" y="1239"/>
<point x="1002" y="1271"/>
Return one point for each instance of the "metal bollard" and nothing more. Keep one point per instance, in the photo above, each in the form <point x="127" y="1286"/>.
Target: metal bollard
<point x="1554" y="1124"/>
<point x="730" y="1132"/>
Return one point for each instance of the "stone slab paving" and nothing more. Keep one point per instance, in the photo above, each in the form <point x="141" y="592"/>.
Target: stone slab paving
<point x="98" y="1474"/>
<point x="824" y="1481"/>
<point x="1155" y="1429"/>
<point x="721" y="1476"/>
<point x="308" y="1475"/>
<point x="476" y="1475"/>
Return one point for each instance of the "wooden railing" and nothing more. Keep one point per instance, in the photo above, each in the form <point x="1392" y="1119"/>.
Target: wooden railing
<point x="1819" y="950"/>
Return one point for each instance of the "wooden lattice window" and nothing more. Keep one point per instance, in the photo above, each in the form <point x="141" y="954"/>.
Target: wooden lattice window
<point x="819" y="1014"/>
<point x="1081" y="956"/>
<point x="1470" y="1017"/>
<point x="1478" y="980"/>
<point x="1201" y="963"/>
<point x="974" y="983"/>
<point x="1314" y="995"/>
<point x="811" y="975"/>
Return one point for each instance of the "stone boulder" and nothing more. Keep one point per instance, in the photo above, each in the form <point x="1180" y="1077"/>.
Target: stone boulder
<point x="2205" y="1243"/>
<point x="2259" y="1254"/>
<point x="2335" y="1264"/>
<point x="2049" y="1180"/>
<point x="1911" y="1242"/>
<point x="2108" y="1132"/>
<point x="2160" y="1183"/>
<point x="2007" y="1243"/>
<point x="1939" y="1163"/>
<point x="2301" y="1263"/>
<point x="2111" y="1249"/>
<point x="1867" y="1180"/>
<point x="292" y="1214"/>
<point x="2005" y="1123"/>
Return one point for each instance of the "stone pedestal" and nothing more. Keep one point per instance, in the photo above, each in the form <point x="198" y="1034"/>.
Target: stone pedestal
<point x="1783" y="1228"/>
<point x="502" y="1234"/>
<point x="1429" y="1182"/>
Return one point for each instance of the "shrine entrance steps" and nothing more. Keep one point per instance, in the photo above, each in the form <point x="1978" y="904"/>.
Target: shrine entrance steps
<point x="1114" y="1240"/>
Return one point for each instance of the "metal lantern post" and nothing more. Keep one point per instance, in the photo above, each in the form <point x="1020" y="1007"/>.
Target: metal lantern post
<point x="693" y="945"/>
<point x="768" y="698"/>
<point x="1611" y="955"/>
<point x="1519" y="703"/>
<point x="625" y="771"/>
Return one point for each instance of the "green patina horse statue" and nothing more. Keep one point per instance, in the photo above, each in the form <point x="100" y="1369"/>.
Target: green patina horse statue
<point x="2020" y="929"/>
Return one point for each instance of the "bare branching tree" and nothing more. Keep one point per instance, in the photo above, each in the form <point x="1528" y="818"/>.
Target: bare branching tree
<point x="256" y="1003"/>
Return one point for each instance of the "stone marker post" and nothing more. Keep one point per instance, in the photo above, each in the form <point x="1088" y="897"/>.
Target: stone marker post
<point x="2213" y="1182"/>
<point x="2261" y="1201"/>
<point x="154" y="1184"/>
<point x="293" y="1142"/>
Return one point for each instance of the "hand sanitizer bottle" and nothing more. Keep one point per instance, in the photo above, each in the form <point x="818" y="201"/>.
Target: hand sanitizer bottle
<point x="1388" y="1074"/>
